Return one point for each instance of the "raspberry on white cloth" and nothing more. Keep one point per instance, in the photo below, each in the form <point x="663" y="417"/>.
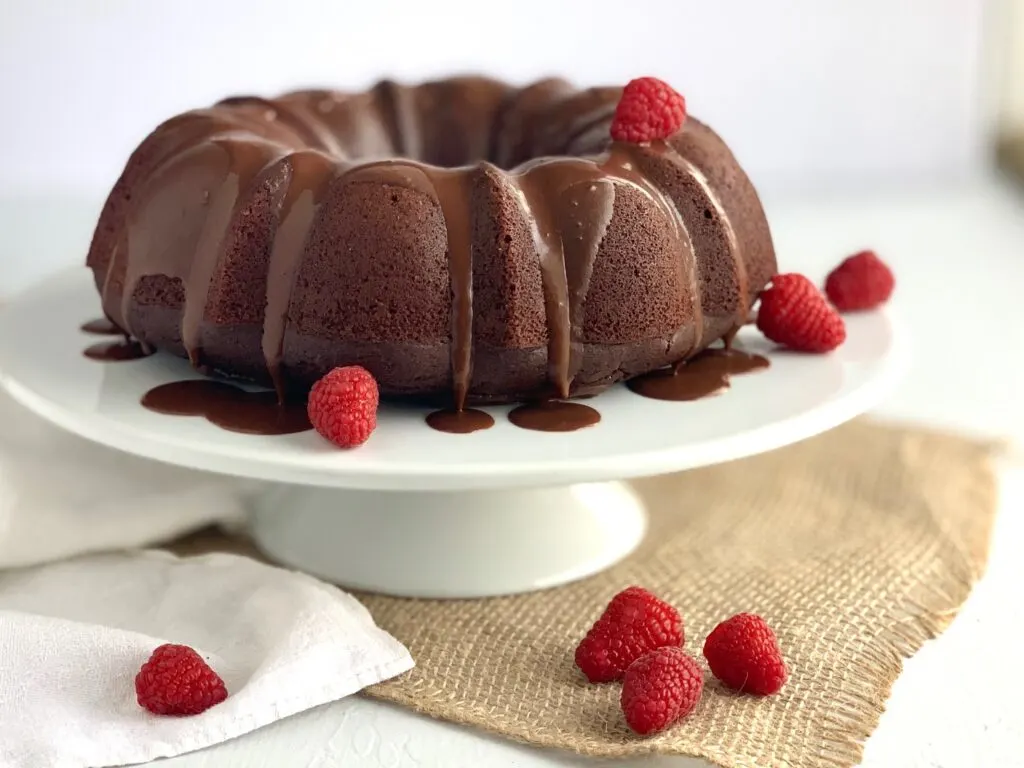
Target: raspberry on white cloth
<point x="74" y="634"/>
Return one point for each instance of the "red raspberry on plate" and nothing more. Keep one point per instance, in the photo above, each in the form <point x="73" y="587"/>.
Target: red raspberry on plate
<point x="343" y="404"/>
<point x="794" y="313"/>
<point x="862" y="281"/>
<point x="744" y="654"/>
<point x="176" y="681"/>
<point x="648" y="109"/>
<point x="633" y="623"/>
<point x="659" y="689"/>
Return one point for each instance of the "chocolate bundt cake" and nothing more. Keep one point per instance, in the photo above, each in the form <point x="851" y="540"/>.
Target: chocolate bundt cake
<point x="464" y="240"/>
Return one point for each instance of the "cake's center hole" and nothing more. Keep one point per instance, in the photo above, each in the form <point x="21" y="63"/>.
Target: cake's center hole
<point x="459" y="146"/>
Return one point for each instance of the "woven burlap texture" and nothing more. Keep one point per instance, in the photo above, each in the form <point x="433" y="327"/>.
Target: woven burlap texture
<point x="857" y="546"/>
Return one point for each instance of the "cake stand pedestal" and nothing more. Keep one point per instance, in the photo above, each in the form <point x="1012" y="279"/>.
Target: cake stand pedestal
<point x="450" y="543"/>
<point x="417" y="512"/>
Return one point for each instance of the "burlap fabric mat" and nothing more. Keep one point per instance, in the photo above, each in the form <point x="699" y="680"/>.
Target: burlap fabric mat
<point x="857" y="546"/>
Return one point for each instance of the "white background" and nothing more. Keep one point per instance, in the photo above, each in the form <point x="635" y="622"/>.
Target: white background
<point x="817" y="97"/>
<point x="814" y="95"/>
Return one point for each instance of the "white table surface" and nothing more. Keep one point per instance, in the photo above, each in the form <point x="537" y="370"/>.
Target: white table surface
<point x="959" y="259"/>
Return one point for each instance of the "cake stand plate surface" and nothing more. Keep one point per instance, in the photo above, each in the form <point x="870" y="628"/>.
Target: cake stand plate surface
<point x="424" y="513"/>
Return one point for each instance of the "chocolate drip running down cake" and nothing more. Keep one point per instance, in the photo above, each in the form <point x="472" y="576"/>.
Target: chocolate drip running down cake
<point x="466" y="241"/>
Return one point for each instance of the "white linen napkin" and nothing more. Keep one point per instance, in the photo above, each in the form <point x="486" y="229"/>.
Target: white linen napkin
<point x="61" y="495"/>
<point x="73" y="632"/>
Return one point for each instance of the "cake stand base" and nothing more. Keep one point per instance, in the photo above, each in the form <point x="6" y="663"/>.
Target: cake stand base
<point x="460" y="544"/>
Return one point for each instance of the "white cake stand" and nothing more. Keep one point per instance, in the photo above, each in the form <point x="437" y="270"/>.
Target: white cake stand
<point x="422" y="513"/>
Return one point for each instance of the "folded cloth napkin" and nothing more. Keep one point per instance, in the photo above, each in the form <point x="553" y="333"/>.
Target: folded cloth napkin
<point x="61" y="495"/>
<point x="78" y="616"/>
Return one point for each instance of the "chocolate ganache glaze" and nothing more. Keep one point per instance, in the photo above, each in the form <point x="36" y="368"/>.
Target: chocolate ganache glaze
<point x="465" y="240"/>
<point x="460" y="422"/>
<point x="116" y="351"/>
<point x="230" y="407"/>
<point x="101" y="326"/>
<point x="706" y="374"/>
<point x="554" y="416"/>
<point x="542" y="416"/>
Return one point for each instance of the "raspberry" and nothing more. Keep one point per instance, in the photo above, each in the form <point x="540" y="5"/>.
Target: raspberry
<point x="862" y="281"/>
<point x="633" y="623"/>
<point x="343" y="404"/>
<point x="648" y="109"/>
<point x="794" y="313"/>
<point x="660" y="688"/>
<point x="744" y="654"/>
<point x="176" y="681"/>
